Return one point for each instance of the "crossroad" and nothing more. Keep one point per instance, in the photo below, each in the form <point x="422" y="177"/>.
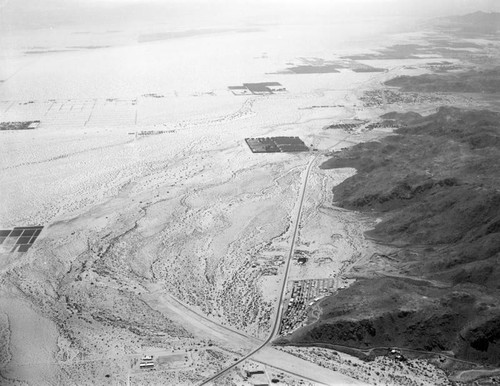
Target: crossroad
<point x="279" y="313"/>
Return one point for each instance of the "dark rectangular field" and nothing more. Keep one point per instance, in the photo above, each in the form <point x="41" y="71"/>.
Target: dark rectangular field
<point x="262" y="88"/>
<point x="311" y="69"/>
<point x="24" y="248"/>
<point x="276" y="145"/>
<point x="23" y="240"/>
<point x="19" y="239"/>
<point x="16" y="232"/>
<point x="27" y="125"/>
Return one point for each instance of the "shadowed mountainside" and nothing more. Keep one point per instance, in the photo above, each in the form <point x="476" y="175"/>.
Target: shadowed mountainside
<point x="471" y="81"/>
<point x="436" y="189"/>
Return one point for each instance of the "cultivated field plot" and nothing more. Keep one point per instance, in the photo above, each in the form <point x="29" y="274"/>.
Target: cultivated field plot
<point x="322" y="66"/>
<point x="257" y="88"/>
<point x="276" y="145"/>
<point x="28" y="125"/>
<point x="19" y="239"/>
<point x="304" y="294"/>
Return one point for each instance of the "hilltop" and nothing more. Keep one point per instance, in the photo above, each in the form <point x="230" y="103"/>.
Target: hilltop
<point x="478" y="17"/>
<point x="478" y="22"/>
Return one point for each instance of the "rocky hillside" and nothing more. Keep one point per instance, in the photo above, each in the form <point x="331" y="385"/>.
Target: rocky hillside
<point x="435" y="188"/>
<point x="487" y="81"/>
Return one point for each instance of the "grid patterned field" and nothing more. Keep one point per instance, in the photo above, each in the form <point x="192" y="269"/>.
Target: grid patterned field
<point x="276" y="145"/>
<point x="263" y="88"/>
<point x="19" y="239"/>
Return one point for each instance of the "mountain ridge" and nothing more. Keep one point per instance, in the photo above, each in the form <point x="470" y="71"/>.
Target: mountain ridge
<point x="436" y="189"/>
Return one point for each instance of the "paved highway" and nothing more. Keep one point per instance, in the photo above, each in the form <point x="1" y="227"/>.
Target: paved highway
<point x="285" y="280"/>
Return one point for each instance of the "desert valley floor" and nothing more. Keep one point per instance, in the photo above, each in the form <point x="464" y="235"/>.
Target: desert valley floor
<point x="166" y="242"/>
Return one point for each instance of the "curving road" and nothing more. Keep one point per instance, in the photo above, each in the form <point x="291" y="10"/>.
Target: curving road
<point x="284" y="284"/>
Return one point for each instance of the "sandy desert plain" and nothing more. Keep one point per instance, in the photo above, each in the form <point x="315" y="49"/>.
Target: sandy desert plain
<point x="176" y="245"/>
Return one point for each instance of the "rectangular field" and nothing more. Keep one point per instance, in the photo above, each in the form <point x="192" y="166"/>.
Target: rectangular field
<point x="276" y="145"/>
<point x="263" y="88"/>
<point x="18" y="239"/>
<point x="27" y="125"/>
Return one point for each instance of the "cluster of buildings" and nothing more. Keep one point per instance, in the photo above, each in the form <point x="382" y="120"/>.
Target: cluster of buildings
<point x="352" y="126"/>
<point x="151" y="132"/>
<point x="381" y="97"/>
<point x="345" y="126"/>
<point x="304" y="294"/>
<point x="385" y="124"/>
<point x="146" y="362"/>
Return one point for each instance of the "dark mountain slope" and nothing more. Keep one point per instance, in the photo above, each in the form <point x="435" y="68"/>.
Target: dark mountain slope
<point x="472" y="81"/>
<point x="436" y="187"/>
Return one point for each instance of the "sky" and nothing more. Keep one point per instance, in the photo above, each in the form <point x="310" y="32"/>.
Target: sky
<point x="33" y="14"/>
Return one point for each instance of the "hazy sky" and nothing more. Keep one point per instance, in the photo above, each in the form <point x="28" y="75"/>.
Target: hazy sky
<point x="29" y="14"/>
